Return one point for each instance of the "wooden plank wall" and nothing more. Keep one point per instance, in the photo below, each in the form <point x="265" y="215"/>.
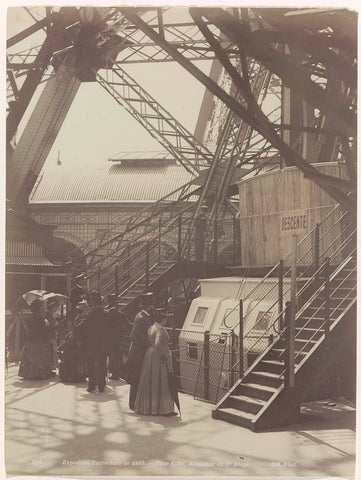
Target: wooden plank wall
<point x="263" y="197"/>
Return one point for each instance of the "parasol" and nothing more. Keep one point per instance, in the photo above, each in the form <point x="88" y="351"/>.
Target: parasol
<point x="173" y="390"/>
<point x="62" y="299"/>
<point x="32" y="295"/>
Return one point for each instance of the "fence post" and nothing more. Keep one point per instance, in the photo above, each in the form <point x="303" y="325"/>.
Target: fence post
<point x="175" y="355"/>
<point x="240" y="341"/>
<point x="179" y="237"/>
<point x="234" y="241"/>
<point x="280" y="293"/>
<point x="159" y="238"/>
<point x="232" y="358"/>
<point x="287" y="333"/>
<point x="327" y="296"/>
<point x="206" y="365"/>
<point x="116" y="276"/>
<point x="147" y="265"/>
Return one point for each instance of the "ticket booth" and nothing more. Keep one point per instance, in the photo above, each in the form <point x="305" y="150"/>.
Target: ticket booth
<point x="216" y="312"/>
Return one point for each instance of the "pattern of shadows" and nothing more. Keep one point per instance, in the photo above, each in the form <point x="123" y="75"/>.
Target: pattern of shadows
<point x="96" y="434"/>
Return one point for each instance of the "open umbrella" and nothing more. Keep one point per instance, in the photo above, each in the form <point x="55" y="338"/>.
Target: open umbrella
<point x="62" y="299"/>
<point x="173" y="389"/>
<point x="32" y="295"/>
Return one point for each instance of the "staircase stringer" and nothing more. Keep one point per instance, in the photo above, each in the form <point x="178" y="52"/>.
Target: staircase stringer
<point x="301" y="390"/>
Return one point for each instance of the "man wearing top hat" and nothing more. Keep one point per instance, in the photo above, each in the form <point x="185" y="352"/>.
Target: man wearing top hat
<point x="78" y="290"/>
<point x="117" y="324"/>
<point x="138" y="345"/>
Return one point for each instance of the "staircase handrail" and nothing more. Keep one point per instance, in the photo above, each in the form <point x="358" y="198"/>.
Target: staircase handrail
<point x="135" y="262"/>
<point x="287" y="256"/>
<point x="170" y="224"/>
<point x="321" y="287"/>
<point x="298" y="295"/>
<point x="153" y="226"/>
<point x="133" y="220"/>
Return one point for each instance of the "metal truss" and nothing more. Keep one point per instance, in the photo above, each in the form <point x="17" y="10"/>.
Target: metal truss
<point x="157" y="121"/>
<point x="276" y="62"/>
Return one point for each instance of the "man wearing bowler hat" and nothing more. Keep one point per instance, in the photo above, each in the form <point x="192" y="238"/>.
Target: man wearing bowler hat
<point x="77" y="293"/>
<point x="138" y="345"/>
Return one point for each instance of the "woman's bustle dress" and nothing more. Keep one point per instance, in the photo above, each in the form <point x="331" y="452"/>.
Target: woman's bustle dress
<point x="36" y="361"/>
<point x="154" y="397"/>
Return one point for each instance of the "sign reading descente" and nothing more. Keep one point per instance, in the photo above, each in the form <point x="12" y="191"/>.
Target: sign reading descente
<point x="294" y="223"/>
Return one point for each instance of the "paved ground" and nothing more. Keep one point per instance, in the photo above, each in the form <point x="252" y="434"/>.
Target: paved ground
<point x="58" y="429"/>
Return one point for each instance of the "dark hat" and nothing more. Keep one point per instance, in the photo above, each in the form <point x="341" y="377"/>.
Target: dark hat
<point x="147" y="299"/>
<point x="163" y="312"/>
<point x="81" y="276"/>
<point x="96" y="298"/>
<point x="160" y="311"/>
<point x="112" y="299"/>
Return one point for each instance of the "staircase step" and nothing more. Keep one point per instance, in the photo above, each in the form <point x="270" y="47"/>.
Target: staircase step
<point x="307" y="333"/>
<point x="234" y="416"/>
<point x="335" y="301"/>
<point x="301" y="344"/>
<point x="254" y="390"/>
<point x="265" y="378"/>
<point x="278" y="353"/>
<point x="274" y="366"/>
<point x="342" y="291"/>
<point x="317" y="314"/>
<point x="309" y="322"/>
<point x="348" y="281"/>
<point x="243" y="403"/>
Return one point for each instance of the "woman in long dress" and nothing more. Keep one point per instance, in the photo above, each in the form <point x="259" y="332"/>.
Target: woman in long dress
<point x="36" y="361"/>
<point x="53" y="306"/>
<point x="154" y="397"/>
<point x="73" y="363"/>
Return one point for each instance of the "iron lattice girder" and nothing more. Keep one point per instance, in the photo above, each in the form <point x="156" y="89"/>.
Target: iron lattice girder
<point x="183" y="36"/>
<point x="158" y="121"/>
<point x="35" y="143"/>
<point x="28" y="88"/>
<point x="293" y="76"/>
<point x="141" y="50"/>
<point x="291" y="156"/>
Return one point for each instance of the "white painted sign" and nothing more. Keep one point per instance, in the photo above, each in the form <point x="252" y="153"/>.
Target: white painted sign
<point x="294" y="222"/>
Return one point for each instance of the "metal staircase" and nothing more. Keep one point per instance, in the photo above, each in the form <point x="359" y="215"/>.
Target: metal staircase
<point x="324" y="325"/>
<point x="135" y="256"/>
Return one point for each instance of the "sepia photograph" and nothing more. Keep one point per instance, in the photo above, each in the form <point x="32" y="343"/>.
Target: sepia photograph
<point x="180" y="278"/>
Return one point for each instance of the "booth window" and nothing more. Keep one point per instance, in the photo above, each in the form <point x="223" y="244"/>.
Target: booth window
<point x="263" y="320"/>
<point x="200" y="315"/>
<point x="192" y="350"/>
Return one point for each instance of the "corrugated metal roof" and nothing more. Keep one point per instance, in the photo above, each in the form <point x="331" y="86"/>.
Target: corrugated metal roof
<point x="23" y="253"/>
<point x="152" y="155"/>
<point x="108" y="183"/>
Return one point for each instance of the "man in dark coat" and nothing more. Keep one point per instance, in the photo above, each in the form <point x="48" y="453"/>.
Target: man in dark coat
<point x="77" y="293"/>
<point x="96" y="343"/>
<point x="138" y="346"/>
<point x="117" y="323"/>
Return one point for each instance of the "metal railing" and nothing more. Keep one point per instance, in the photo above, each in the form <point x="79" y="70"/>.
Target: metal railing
<point x="336" y="237"/>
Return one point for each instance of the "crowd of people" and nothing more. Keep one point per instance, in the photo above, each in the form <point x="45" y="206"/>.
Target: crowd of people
<point x="95" y="346"/>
